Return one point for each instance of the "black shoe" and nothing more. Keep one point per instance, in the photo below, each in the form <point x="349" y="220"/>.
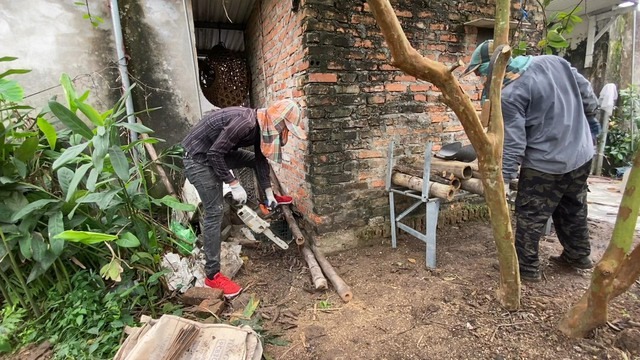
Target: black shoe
<point x="530" y="276"/>
<point x="582" y="264"/>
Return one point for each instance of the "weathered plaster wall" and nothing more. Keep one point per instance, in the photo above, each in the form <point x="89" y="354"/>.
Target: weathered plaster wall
<point x="158" y="42"/>
<point x="52" y="38"/>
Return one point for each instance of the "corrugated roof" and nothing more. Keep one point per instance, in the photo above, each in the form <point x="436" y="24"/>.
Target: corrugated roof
<point x="225" y="12"/>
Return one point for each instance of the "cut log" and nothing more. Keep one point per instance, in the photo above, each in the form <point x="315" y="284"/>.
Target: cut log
<point x="473" y="186"/>
<point x="438" y="190"/>
<point x="455" y="182"/>
<point x="341" y="287"/>
<point x="319" y="281"/>
<point x="460" y="169"/>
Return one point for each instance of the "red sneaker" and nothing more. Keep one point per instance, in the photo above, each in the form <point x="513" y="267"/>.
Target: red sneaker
<point x="228" y="287"/>
<point x="283" y="200"/>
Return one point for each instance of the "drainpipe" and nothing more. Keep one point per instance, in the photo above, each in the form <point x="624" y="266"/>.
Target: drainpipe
<point x="122" y="65"/>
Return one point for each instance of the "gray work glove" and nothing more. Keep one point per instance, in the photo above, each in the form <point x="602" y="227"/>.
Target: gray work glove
<point x="238" y="193"/>
<point x="271" y="202"/>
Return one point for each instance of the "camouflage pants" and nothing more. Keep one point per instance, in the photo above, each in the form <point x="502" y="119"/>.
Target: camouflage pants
<point x="564" y="198"/>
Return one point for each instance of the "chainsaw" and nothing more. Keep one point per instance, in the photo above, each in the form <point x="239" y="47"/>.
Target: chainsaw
<point x="254" y="222"/>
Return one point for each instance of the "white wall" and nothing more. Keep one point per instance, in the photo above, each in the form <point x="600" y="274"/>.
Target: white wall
<point x="51" y="37"/>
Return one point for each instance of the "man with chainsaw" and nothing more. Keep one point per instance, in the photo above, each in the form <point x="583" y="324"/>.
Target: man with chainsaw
<point x="549" y="114"/>
<point x="214" y="146"/>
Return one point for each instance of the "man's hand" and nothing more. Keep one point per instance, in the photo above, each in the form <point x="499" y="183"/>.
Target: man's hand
<point x="238" y="193"/>
<point x="271" y="202"/>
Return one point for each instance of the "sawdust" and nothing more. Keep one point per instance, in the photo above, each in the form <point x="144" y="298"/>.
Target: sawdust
<point x="401" y="310"/>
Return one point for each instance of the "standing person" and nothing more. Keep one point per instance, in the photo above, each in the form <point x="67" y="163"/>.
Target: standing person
<point x="213" y="147"/>
<point x="549" y="114"/>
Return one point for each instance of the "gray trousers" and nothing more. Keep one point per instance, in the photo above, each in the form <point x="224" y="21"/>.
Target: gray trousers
<point x="209" y="188"/>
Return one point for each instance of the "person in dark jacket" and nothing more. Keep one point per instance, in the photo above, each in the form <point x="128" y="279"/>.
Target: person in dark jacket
<point x="550" y="124"/>
<point x="213" y="147"/>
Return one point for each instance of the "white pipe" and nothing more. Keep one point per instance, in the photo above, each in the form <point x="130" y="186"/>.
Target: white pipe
<point x="122" y="65"/>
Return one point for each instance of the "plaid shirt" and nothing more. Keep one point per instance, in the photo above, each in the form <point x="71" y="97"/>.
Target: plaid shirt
<point x="221" y="132"/>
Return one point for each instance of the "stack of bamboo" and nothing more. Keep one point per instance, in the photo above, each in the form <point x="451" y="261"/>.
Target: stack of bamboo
<point x="445" y="179"/>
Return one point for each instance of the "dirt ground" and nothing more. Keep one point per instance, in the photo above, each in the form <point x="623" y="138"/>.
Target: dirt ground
<point x="401" y="310"/>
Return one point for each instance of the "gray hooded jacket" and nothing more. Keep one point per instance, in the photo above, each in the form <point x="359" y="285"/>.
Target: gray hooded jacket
<point x="547" y="112"/>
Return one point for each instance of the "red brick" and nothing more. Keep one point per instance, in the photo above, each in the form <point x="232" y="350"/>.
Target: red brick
<point x="378" y="183"/>
<point x="420" y="87"/>
<point x="369" y="154"/>
<point x="395" y="87"/>
<point x="448" y="38"/>
<point x="438" y="117"/>
<point x="376" y="88"/>
<point x="437" y="27"/>
<point x="323" y="77"/>
<point x="437" y="47"/>
<point x="406" y="14"/>
<point x="405" y="78"/>
<point x="334" y="65"/>
<point x="387" y="67"/>
<point x="420" y="97"/>
<point x="424" y="14"/>
<point x="360" y="19"/>
<point x="454" y="128"/>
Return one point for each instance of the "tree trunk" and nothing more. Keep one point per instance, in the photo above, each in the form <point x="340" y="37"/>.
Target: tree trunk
<point x="488" y="146"/>
<point x="617" y="270"/>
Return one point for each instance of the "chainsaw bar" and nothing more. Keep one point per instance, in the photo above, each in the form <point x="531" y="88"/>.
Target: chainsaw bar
<point x="268" y="233"/>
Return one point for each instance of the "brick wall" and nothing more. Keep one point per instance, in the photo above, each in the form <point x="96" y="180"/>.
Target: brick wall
<point x="356" y="103"/>
<point x="277" y="62"/>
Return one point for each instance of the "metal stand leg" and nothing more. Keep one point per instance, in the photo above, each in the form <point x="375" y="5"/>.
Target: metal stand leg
<point x="392" y="211"/>
<point x="433" y="207"/>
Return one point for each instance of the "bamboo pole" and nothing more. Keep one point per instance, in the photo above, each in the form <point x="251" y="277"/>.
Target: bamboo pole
<point x="319" y="281"/>
<point x="460" y="169"/>
<point x="286" y="210"/>
<point x="441" y="177"/>
<point x="341" y="287"/>
<point x="438" y="190"/>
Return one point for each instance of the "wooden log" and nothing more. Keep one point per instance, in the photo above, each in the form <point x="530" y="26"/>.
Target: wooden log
<point x="319" y="281"/>
<point x="438" y="190"/>
<point x="460" y="169"/>
<point x="473" y="186"/>
<point x="286" y="211"/>
<point x="476" y="175"/>
<point x="341" y="287"/>
<point x="436" y="176"/>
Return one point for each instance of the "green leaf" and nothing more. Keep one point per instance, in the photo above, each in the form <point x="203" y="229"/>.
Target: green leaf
<point x="56" y="226"/>
<point x="92" y="179"/>
<point x="70" y="119"/>
<point x="27" y="149"/>
<point x="65" y="175"/>
<point x="128" y="240"/>
<point x="153" y="279"/>
<point x="69" y="155"/>
<point x="100" y="148"/>
<point x="25" y="246"/>
<point x="49" y="132"/>
<point x="112" y="270"/>
<point x="135" y="127"/>
<point x="10" y="90"/>
<point x="174" y="203"/>
<point x="119" y="162"/>
<point x="79" y="175"/>
<point x="21" y="167"/>
<point x="141" y="255"/>
<point x="250" y="308"/>
<point x="38" y="246"/>
<point x="91" y="113"/>
<point x="85" y="237"/>
<point x="69" y="92"/>
<point x="8" y="58"/>
<point x="14" y="71"/>
<point x="34" y="206"/>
